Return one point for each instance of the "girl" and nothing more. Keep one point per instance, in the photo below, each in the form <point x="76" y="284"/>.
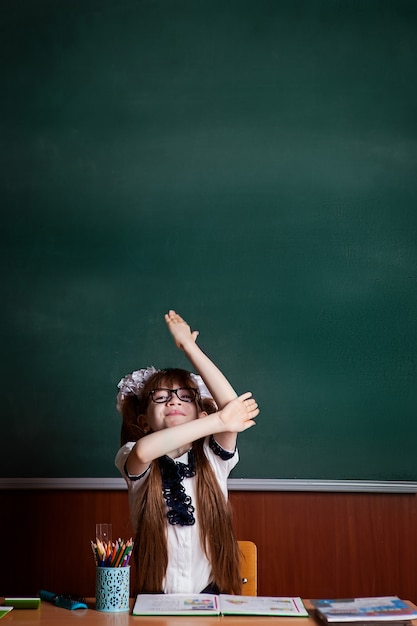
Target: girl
<point x="178" y="447"/>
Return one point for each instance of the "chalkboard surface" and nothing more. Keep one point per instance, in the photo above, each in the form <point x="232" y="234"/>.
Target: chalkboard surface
<point x="251" y="164"/>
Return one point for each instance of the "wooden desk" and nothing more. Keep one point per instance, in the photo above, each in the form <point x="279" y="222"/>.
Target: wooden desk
<point x="50" y="615"/>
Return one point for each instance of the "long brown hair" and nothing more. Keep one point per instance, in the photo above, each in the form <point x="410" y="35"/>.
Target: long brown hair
<point x="217" y="535"/>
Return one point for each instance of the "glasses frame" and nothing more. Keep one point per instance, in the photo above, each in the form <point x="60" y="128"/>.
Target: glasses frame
<point x="171" y="392"/>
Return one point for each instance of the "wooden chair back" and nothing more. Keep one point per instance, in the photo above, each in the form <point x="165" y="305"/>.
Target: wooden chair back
<point x="249" y="568"/>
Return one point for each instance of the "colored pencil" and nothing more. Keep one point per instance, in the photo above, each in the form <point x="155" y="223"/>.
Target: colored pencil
<point x="112" y="554"/>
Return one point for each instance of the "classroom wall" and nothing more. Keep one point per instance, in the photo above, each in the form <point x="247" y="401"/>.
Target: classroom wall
<point x="310" y="544"/>
<point x="271" y="147"/>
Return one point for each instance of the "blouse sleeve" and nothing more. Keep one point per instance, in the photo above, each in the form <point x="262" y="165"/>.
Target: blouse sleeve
<point x="121" y="460"/>
<point x="222" y="461"/>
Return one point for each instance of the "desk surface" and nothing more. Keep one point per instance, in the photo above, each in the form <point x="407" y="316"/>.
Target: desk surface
<point x="50" y="615"/>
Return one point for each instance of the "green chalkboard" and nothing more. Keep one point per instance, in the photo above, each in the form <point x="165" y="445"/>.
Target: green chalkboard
<point x="250" y="163"/>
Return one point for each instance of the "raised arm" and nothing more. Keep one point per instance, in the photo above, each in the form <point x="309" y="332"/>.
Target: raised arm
<point x="185" y="339"/>
<point x="218" y="385"/>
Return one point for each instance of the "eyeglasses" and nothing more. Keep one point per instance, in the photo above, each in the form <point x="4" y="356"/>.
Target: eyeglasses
<point x="185" y="394"/>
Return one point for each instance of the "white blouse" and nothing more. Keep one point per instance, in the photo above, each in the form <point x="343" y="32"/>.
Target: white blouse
<point x="189" y="570"/>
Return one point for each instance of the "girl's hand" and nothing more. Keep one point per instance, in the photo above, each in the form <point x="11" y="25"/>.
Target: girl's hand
<point x="180" y="330"/>
<point x="239" y="414"/>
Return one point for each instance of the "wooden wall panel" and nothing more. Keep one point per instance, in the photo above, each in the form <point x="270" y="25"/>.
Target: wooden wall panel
<point x="309" y="544"/>
<point x="323" y="544"/>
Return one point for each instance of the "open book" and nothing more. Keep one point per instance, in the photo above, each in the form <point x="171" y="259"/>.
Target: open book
<point x="223" y="604"/>
<point x="376" y="609"/>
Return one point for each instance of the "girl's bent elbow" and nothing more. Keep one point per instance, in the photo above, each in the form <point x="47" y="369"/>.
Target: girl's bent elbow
<point x="140" y="456"/>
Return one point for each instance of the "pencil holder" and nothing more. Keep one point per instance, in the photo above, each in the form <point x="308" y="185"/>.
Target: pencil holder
<point x="112" y="589"/>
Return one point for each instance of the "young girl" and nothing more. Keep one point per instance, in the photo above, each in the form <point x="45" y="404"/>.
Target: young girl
<point x="178" y="447"/>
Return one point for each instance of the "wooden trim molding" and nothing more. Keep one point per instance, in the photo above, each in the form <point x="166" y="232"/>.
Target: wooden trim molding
<point x="234" y="484"/>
